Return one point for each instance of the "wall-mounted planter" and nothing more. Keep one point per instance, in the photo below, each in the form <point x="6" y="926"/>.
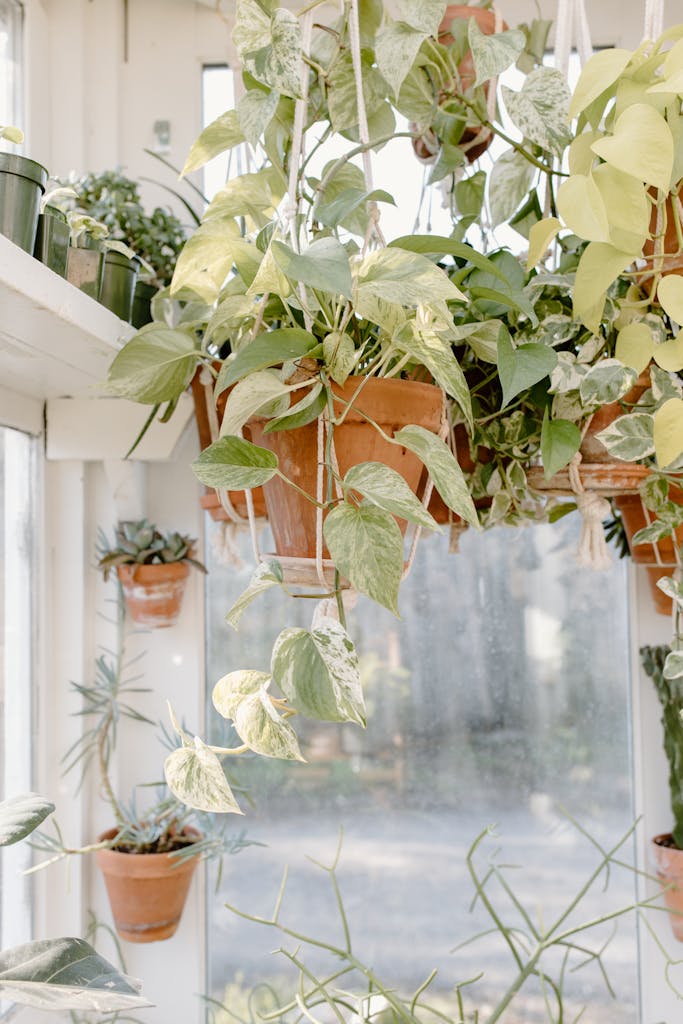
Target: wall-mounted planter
<point x="52" y="240"/>
<point x="118" y="283"/>
<point x="147" y="891"/>
<point x="154" y="593"/>
<point x="22" y="183"/>
<point x="85" y="268"/>
<point x="142" y="304"/>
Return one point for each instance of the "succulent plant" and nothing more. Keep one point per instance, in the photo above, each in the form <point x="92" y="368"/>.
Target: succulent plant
<point x="140" y="543"/>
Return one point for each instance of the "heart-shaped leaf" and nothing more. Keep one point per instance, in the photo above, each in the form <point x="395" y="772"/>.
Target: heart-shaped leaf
<point x="668" y="432"/>
<point x="522" y="367"/>
<point x="641" y="145"/>
<point x="230" y="690"/>
<point x="635" y="345"/>
<point x="263" y="730"/>
<point x="366" y="546"/>
<point x="272" y="348"/>
<point x="235" y="464"/>
<point x="195" y="776"/>
<point x="560" y="441"/>
<point x="443" y="468"/>
<point x="387" y="489"/>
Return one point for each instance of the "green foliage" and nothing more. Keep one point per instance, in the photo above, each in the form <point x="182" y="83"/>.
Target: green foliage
<point x="670" y="693"/>
<point x="140" y="543"/>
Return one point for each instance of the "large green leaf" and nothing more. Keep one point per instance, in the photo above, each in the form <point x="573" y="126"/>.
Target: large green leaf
<point x="560" y="441"/>
<point x="598" y="74"/>
<point x="522" y="367"/>
<point x="434" y="352"/>
<point x="541" y="109"/>
<point x="272" y="348"/>
<point x="670" y="295"/>
<point x="582" y="208"/>
<point x="396" y="48"/>
<point x="324" y="265"/>
<point x="20" y="815"/>
<point x="235" y="464"/>
<point x="509" y="181"/>
<point x="627" y="208"/>
<point x="443" y="468"/>
<point x="402" y="277"/>
<point x="318" y="673"/>
<point x="255" y="195"/>
<point x="635" y="345"/>
<point x="231" y="689"/>
<point x="367" y="547"/>
<point x="630" y="437"/>
<point x="668" y="432"/>
<point x="255" y="111"/>
<point x="65" y="974"/>
<point x="263" y="730"/>
<point x="195" y="776"/>
<point x="206" y="259"/>
<point x="155" y="366"/>
<point x="606" y="381"/>
<point x="262" y="391"/>
<point x="438" y="245"/>
<point x="495" y="53"/>
<point x="222" y="134"/>
<point x="265" y="576"/>
<point x="385" y="487"/>
<point x="641" y="145"/>
<point x="599" y="266"/>
<point x="270" y="49"/>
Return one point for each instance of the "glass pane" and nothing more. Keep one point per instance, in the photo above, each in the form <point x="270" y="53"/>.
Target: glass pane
<point x="11" y="103"/>
<point x="16" y="573"/>
<point x="218" y="95"/>
<point x="500" y="697"/>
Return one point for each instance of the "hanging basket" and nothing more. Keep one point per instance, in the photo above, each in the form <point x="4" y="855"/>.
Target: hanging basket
<point x="147" y="891"/>
<point x="154" y="593"/>
<point x="391" y="404"/>
<point x="228" y="506"/>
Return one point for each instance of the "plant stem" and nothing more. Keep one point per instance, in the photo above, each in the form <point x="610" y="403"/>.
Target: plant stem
<point x="102" y="740"/>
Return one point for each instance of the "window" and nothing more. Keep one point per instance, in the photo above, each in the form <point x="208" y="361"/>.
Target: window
<point x="17" y="501"/>
<point x="218" y="95"/>
<point x="11" y="98"/>
<point x="502" y="695"/>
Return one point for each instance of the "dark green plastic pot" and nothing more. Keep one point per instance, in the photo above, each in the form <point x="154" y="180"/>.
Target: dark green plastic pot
<point x="118" y="283"/>
<point x="52" y="240"/>
<point x="85" y="269"/>
<point x="142" y="303"/>
<point x="22" y="183"/>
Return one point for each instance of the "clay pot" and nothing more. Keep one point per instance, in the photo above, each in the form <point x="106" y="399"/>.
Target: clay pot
<point x="210" y="500"/>
<point x="427" y="147"/>
<point x="147" y="891"/>
<point x="391" y="404"/>
<point x="668" y="861"/>
<point x="154" y="593"/>
<point x="673" y="261"/>
<point x="660" y="558"/>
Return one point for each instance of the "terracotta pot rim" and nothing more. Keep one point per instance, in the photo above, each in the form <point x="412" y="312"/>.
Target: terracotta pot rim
<point x="154" y="571"/>
<point x="657" y="841"/>
<point x="117" y="862"/>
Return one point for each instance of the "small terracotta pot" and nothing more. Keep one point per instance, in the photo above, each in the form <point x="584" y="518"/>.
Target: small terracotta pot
<point x="210" y="500"/>
<point x="154" y="593"/>
<point x="147" y="891"/>
<point x="668" y="861"/>
<point x="391" y="404"/>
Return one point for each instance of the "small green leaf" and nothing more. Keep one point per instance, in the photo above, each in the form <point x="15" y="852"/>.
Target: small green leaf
<point x="668" y="432"/>
<point x="630" y="437"/>
<point x="385" y="487"/>
<point x="318" y="673"/>
<point x="670" y="295"/>
<point x="635" y="345"/>
<point x="493" y="54"/>
<point x="606" y="381"/>
<point x="265" y="576"/>
<point x="263" y="730"/>
<point x="522" y="367"/>
<point x="598" y="74"/>
<point x="235" y="464"/>
<point x="366" y="546"/>
<point x="222" y="134"/>
<point x="155" y="366"/>
<point x="540" y="237"/>
<point x="335" y="212"/>
<point x="231" y="689"/>
<point x="324" y="265"/>
<point x="560" y="441"/>
<point x="443" y="468"/>
<point x="301" y="413"/>
<point x="195" y="776"/>
<point x="272" y="348"/>
<point x="641" y="145"/>
<point x="20" y="815"/>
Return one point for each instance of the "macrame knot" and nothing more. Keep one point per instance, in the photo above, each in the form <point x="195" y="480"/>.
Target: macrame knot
<point x="592" y="550"/>
<point x="225" y="546"/>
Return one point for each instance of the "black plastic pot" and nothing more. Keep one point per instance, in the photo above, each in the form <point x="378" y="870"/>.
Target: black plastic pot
<point x="22" y="183"/>
<point x="142" y="304"/>
<point x="85" y="268"/>
<point x="118" y="283"/>
<point x="52" y="240"/>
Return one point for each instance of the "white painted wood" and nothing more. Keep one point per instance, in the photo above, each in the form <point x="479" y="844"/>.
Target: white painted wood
<point x="54" y="339"/>
<point x="104" y="428"/>
<point x="22" y="412"/>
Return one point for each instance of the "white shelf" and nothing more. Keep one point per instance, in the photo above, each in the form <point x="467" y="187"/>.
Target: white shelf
<point x="55" y="341"/>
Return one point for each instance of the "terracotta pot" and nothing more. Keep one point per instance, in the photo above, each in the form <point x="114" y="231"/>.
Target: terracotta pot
<point x="437" y="507"/>
<point x="391" y="404"/>
<point x="210" y="501"/>
<point x="673" y="260"/>
<point x="668" y="861"/>
<point x="660" y="558"/>
<point x="427" y="147"/>
<point x="147" y="891"/>
<point x="154" y="593"/>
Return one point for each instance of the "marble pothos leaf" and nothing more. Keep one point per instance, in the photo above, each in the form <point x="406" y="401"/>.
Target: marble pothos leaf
<point x="495" y="53"/>
<point x="261" y="392"/>
<point x="231" y="690"/>
<point x="155" y="366"/>
<point x="317" y="672"/>
<point x="673" y="666"/>
<point x="366" y="546"/>
<point x="20" y="815"/>
<point x="606" y="382"/>
<point x="195" y="776"/>
<point x="509" y="182"/>
<point x="434" y="352"/>
<point x="255" y="111"/>
<point x="263" y="730"/>
<point x="541" y="108"/>
<point x="386" y="488"/>
<point x="235" y="464"/>
<point x="443" y="468"/>
<point x="672" y="588"/>
<point x="277" y="61"/>
<point x="396" y="48"/>
<point x="424" y="15"/>
<point x="630" y="437"/>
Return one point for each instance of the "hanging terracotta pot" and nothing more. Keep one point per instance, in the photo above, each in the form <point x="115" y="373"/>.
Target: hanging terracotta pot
<point x="154" y="593"/>
<point x="427" y="146"/>
<point x="211" y="500"/>
<point x="147" y="891"/>
<point x="668" y="861"/>
<point x="659" y="558"/>
<point x="391" y="404"/>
